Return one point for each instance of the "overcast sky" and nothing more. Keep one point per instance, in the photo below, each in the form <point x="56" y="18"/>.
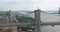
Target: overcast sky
<point x="29" y="4"/>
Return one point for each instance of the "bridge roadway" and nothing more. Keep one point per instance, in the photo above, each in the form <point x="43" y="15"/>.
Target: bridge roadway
<point x="50" y="23"/>
<point x="15" y="24"/>
<point x="29" y="24"/>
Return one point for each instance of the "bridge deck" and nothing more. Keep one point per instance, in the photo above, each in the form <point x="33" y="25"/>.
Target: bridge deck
<point x="15" y="24"/>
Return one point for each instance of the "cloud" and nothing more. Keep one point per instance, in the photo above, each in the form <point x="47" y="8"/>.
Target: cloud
<point x="47" y="4"/>
<point x="16" y="5"/>
<point x="29" y="4"/>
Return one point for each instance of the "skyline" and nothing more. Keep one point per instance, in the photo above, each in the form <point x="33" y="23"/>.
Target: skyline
<point x="29" y="4"/>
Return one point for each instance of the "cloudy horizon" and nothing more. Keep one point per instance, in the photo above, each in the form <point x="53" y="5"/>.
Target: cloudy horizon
<point x="29" y="4"/>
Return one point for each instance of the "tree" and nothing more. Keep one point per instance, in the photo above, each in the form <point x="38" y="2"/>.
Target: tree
<point x="25" y="19"/>
<point x="25" y="28"/>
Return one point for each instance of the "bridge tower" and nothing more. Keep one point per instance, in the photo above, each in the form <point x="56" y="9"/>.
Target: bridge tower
<point x="37" y="20"/>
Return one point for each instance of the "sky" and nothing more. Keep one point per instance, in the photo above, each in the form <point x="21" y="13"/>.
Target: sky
<point x="16" y="5"/>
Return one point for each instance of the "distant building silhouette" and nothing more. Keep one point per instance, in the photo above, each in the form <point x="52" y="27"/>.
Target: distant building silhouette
<point x="59" y="10"/>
